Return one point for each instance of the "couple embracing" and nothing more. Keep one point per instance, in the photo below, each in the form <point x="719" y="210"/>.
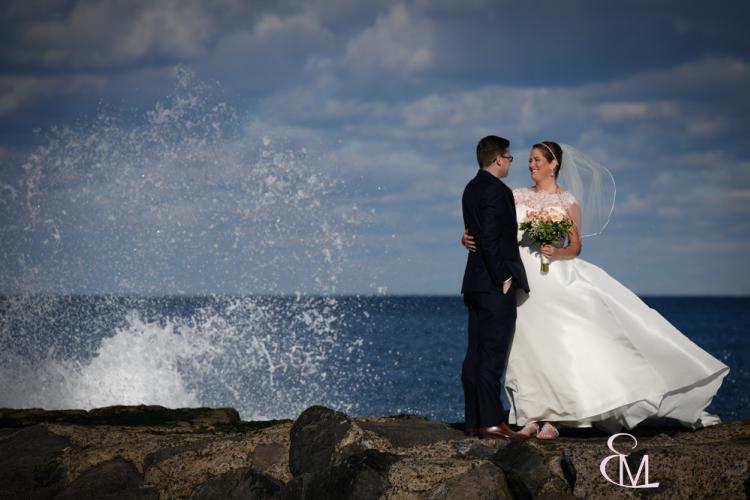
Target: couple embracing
<point x="577" y="347"/>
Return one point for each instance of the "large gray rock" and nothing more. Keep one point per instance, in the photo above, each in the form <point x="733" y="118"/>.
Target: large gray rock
<point x="316" y="437"/>
<point x="30" y="465"/>
<point x="407" y="432"/>
<point x="239" y="484"/>
<point x="10" y="417"/>
<point x="363" y="476"/>
<point x="527" y="472"/>
<point x="205" y="418"/>
<point x="268" y="455"/>
<point x="486" y="482"/>
<point x="111" y="480"/>
<point x="154" y="459"/>
<point x="297" y="488"/>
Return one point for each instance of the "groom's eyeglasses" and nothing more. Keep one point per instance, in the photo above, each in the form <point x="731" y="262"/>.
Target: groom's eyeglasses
<point x="509" y="158"/>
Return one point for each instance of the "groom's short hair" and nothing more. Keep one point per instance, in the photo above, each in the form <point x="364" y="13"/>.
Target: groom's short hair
<point x="488" y="149"/>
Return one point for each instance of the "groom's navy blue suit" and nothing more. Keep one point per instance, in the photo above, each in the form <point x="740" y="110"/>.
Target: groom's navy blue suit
<point x="490" y="216"/>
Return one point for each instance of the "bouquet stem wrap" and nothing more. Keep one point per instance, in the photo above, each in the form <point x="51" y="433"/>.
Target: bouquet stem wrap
<point x="545" y="264"/>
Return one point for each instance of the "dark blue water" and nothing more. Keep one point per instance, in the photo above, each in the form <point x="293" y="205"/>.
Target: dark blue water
<point x="272" y="357"/>
<point x="423" y="339"/>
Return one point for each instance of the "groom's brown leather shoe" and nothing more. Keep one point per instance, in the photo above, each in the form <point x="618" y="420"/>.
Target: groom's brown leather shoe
<point x="501" y="431"/>
<point x="471" y="431"/>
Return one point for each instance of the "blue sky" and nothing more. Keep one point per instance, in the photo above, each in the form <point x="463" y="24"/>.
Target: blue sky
<point x="322" y="146"/>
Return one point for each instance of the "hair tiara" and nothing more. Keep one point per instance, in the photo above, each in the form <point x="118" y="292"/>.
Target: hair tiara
<point x="550" y="151"/>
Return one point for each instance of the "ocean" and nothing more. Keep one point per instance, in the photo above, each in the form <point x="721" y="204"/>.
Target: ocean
<point x="273" y="356"/>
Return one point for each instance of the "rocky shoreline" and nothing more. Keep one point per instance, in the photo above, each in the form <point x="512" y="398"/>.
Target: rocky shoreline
<point x="151" y="452"/>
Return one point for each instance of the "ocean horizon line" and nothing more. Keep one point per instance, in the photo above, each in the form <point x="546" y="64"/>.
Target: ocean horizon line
<point x="319" y="295"/>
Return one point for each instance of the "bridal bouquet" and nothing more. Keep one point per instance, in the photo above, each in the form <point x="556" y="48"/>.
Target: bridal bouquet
<point x="546" y="227"/>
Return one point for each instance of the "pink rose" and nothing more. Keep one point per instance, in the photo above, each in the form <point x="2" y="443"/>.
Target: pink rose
<point x="556" y="217"/>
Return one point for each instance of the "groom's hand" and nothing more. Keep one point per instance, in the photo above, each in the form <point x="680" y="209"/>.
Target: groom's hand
<point x="506" y="285"/>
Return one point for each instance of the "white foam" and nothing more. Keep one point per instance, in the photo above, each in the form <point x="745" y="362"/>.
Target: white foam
<point x="264" y="358"/>
<point x="137" y="365"/>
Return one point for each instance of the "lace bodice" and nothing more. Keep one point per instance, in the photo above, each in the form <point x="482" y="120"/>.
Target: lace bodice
<point x="538" y="201"/>
<point x="527" y="199"/>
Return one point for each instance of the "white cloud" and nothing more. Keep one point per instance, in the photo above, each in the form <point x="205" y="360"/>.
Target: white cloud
<point x="700" y="160"/>
<point x="14" y="92"/>
<point x="271" y="28"/>
<point x="707" y="79"/>
<point x="708" y="126"/>
<point x="633" y="204"/>
<point x="740" y="194"/>
<point x="272" y="24"/>
<point x="452" y="5"/>
<point x="625" y="111"/>
<point x="508" y="111"/>
<point x="109" y="33"/>
<point x="397" y="42"/>
<point x="312" y="104"/>
<point x="717" y="247"/>
<point x="19" y="91"/>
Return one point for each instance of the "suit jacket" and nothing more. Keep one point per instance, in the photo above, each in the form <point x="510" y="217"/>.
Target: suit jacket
<point x="490" y="216"/>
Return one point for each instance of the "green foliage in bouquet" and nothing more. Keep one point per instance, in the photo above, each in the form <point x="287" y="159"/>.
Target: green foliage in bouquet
<point x="547" y="227"/>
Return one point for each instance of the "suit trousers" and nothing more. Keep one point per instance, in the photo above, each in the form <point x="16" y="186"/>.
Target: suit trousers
<point x="492" y="321"/>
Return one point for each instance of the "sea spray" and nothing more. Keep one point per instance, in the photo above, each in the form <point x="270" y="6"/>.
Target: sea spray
<point x="269" y="357"/>
<point x="187" y="198"/>
<point x="119" y="213"/>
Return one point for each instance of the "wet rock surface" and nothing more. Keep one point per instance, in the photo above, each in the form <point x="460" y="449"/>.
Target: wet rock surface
<point x="115" y="478"/>
<point x="317" y="437"/>
<point x="141" y="415"/>
<point x="238" y="484"/>
<point x="361" y="476"/>
<point x="30" y="463"/>
<point x="147" y="452"/>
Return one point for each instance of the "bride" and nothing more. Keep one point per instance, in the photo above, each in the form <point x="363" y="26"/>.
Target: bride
<point x="587" y="351"/>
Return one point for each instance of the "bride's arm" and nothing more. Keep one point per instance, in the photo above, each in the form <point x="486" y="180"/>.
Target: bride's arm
<point x="573" y="248"/>
<point x="467" y="240"/>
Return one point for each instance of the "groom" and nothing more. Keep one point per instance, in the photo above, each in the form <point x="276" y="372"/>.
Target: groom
<point x="492" y="273"/>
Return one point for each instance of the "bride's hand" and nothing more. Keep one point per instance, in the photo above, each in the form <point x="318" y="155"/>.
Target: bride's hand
<point x="550" y="251"/>
<point x="467" y="240"/>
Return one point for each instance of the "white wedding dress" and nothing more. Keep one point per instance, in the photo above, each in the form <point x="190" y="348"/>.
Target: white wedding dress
<point x="587" y="351"/>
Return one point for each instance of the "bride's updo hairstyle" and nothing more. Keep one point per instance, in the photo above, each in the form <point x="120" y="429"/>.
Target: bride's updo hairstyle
<point x="551" y="151"/>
